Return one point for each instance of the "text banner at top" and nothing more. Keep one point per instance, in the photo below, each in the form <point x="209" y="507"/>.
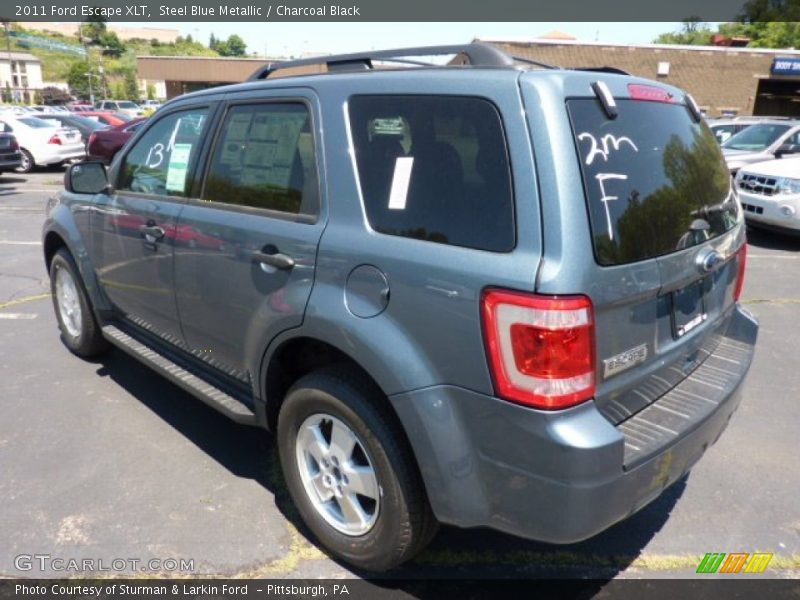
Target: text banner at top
<point x="144" y="11"/>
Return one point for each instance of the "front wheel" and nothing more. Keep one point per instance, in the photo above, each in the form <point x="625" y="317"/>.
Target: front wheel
<point x="79" y="329"/>
<point x="350" y="471"/>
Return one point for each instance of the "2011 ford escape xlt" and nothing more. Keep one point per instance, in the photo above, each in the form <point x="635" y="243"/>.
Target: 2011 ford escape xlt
<point x="488" y="294"/>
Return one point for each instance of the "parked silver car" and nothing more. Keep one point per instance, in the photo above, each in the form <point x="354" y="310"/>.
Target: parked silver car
<point x="762" y="141"/>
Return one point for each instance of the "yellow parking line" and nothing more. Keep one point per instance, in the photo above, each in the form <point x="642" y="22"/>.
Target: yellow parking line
<point x="23" y="300"/>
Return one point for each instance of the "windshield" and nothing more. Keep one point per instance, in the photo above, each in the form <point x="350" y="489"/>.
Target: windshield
<point x="122" y="116"/>
<point x="756" y="137"/>
<point x="655" y="181"/>
<point x="126" y="105"/>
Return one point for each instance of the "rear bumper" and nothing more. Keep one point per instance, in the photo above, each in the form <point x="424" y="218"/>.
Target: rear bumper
<point x="10" y="161"/>
<point x="59" y="153"/>
<point x="563" y="476"/>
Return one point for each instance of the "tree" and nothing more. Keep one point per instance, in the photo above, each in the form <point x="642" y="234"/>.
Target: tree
<point x="235" y="46"/>
<point x="78" y="79"/>
<point x="693" y="33"/>
<point x="7" y="97"/>
<point x="762" y="23"/>
<point x="131" y="86"/>
<point x="94" y="28"/>
<point x="212" y="42"/>
<point x="151" y="91"/>
<point x="112" y="46"/>
<point x="770" y="11"/>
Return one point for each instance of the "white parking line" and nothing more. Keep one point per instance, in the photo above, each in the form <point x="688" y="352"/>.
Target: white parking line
<point x="18" y="316"/>
<point x="15" y="243"/>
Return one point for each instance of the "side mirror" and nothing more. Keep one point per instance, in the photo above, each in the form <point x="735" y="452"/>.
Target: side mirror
<point x="86" y="178"/>
<point x="786" y="149"/>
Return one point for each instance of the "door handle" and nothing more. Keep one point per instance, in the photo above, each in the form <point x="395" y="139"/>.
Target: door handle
<point x="152" y="233"/>
<point x="277" y="260"/>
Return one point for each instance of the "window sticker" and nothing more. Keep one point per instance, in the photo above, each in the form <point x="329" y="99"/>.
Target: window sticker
<point x="178" y="165"/>
<point x="400" y="181"/>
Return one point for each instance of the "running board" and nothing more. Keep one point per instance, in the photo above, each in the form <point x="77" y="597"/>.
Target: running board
<point x="211" y="395"/>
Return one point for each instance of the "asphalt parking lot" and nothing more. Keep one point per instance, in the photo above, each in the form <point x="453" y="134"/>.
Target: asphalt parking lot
<point x="105" y="460"/>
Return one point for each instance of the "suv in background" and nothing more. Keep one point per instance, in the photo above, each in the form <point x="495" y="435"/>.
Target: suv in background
<point x="123" y="106"/>
<point x="765" y="140"/>
<point x="770" y="194"/>
<point x="495" y="295"/>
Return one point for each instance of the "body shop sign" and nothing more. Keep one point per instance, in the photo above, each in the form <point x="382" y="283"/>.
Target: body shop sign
<point x="786" y="66"/>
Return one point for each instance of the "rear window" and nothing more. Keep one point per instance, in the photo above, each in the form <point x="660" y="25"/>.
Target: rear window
<point x="434" y="168"/>
<point x="36" y="122"/>
<point x="655" y="181"/>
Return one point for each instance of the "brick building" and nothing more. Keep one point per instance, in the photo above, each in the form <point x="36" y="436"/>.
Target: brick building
<point x="724" y="80"/>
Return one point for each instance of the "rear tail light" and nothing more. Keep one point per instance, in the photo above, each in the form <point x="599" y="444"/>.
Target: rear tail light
<point x="92" y="137"/>
<point x="741" y="257"/>
<point x="14" y="145"/>
<point x="540" y="348"/>
<point x="54" y="140"/>
<point x="650" y="93"/>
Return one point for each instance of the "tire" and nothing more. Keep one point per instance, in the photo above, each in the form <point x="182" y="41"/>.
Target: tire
<point x="28" y="164"/>
<point x="398" y="522"/>
<point x="79" y="329"/>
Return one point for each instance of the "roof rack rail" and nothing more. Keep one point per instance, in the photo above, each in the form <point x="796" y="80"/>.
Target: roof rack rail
<point x="479" y="54"/>
<point x="613" y="70"/>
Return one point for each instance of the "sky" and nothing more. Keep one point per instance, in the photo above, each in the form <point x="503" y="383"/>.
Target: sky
<point x="296" y="39"/>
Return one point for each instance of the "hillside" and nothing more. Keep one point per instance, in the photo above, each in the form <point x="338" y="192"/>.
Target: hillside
<point x="57" y="64"/>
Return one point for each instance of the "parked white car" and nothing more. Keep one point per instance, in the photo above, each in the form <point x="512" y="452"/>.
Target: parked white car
<point x="124" y="106"/>
<point x="770" y="194"/>
<point x="41" y="143"/>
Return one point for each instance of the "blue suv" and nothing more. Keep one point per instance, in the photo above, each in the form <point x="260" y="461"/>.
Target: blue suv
<point x="487" y="293"/>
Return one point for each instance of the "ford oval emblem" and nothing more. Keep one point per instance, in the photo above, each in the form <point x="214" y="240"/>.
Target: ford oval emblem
<point x="709" y="261"/>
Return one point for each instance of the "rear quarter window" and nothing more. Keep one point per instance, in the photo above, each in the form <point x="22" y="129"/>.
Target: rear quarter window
<point x="655" y="181"/>
<point x="434" y="168"/>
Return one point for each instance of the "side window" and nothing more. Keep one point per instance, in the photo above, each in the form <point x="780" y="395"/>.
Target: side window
<point x="264" y="158"/>
<point x="434" y="168"/>
<point x="5" y="127"/>
<point x="161" y="159"/>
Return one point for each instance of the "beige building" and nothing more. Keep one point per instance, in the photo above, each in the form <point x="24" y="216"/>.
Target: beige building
<point x="20" y="75"/>
<point x="182" y="74"/>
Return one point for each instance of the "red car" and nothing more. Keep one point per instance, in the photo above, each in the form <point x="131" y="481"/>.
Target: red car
<point x="105" y="117"/>
<point x="104" y="144"/>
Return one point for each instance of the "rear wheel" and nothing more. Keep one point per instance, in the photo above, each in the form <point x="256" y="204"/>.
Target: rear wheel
<point x="350" y="472"/>
<point x="79" y="329"/>
<point x="27" y="165"/>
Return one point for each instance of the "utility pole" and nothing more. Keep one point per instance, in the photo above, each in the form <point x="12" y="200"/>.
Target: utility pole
<point x="88" y="62"/>
<point x="10" y="62"/>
